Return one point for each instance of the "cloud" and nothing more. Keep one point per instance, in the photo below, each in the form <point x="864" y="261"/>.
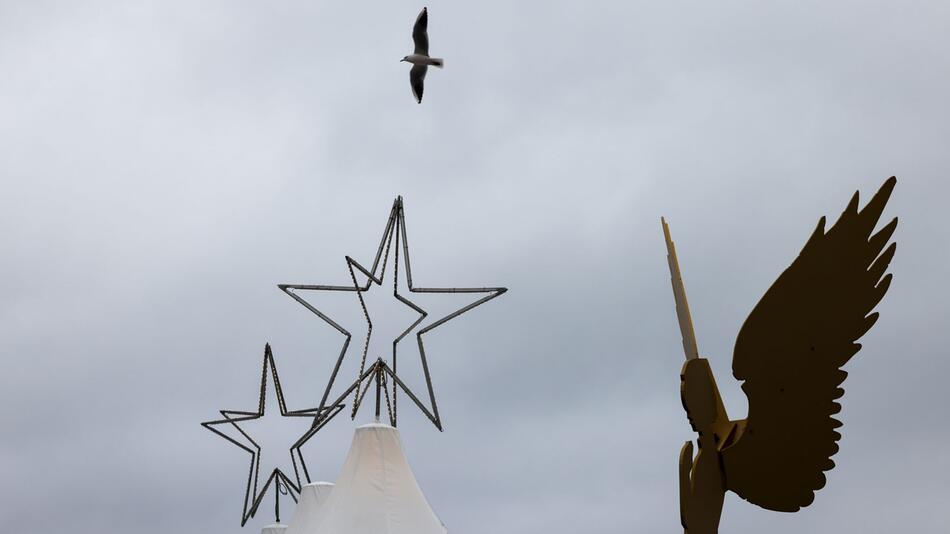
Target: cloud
<point x="166" y="164"/>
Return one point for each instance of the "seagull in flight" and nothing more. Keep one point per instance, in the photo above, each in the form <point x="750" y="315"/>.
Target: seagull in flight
<point x="420" y="57"/>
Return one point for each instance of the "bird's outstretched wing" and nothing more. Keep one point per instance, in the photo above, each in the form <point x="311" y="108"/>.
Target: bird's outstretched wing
<point x="790" y="352"/>
<point x="419" y="34"/>
<point x="417" y="76"/>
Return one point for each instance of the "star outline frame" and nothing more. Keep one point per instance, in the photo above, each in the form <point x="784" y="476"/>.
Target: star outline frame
<point x="277" y="476"/>
<point x="395" y="230"/>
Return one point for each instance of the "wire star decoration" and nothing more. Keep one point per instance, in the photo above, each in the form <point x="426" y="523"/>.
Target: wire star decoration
<point x="394" y="239"/>
<point x="379" y="372"/>
<point x="254" y="494"/>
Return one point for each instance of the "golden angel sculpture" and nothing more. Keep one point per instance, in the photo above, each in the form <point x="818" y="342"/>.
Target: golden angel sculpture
<point x="788" y="354"/>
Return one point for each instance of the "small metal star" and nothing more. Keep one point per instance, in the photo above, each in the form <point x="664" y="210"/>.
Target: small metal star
<point x="393" y="234"/>
<point x="252" y="495"/>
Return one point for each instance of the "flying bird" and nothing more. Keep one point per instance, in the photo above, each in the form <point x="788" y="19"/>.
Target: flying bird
<point x="789" y="354"/>
<point x="420" y="57"/>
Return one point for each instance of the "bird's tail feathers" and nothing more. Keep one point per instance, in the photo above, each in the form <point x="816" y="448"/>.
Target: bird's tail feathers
<point x="437" y="62"/>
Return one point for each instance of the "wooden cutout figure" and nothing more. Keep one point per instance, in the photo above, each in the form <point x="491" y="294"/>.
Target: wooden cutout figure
<point x="788" y="354"/>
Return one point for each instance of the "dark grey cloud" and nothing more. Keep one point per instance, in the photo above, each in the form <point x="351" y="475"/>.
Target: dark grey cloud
<point x="166" y="164"/>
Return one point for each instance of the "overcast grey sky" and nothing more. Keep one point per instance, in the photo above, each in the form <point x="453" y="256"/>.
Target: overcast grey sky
<point x="164" y="164"/>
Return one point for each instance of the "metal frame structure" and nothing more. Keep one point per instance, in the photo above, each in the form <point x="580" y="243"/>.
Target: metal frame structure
<point x="393" y="234"/>
<point x="376" y="373"/>
<point x="379" y="372"/>
<point x="253" y="497"/>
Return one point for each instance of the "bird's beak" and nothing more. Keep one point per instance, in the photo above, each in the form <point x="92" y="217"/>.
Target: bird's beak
<point x="401" y="60"/>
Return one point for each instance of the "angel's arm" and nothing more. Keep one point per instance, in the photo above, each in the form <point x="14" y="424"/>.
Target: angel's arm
<point x="686" y="486"/>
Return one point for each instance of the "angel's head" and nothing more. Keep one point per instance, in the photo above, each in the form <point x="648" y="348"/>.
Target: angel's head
<point x="698" y="393"/>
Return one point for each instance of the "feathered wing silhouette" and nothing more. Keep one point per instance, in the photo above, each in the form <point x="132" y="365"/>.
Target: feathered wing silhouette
<point x="417" y="79"/>
<point x="420" y="35"/>
<point x="790" y="351"/>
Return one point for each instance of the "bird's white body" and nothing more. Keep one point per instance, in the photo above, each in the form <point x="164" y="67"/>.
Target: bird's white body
<point x="419" y="59"/>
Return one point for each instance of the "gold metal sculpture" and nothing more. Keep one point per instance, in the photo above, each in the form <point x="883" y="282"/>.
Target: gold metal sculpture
<point x="789" y="354"/>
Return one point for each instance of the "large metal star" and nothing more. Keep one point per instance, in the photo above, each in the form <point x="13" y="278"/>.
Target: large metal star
<point x="252" y="495"/>
<point x="394" y="238"/>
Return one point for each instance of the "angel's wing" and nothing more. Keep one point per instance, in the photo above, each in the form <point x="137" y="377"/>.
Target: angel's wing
<point x="790" y="352"/>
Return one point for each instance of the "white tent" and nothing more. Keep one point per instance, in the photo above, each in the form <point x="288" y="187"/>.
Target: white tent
<point x="377" y="492"/>
<point x="309" y="510"/>
<point x="275" y="528"/>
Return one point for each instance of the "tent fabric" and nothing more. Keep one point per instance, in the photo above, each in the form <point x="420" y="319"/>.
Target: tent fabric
<point x="309" y="510"/>
<point x="275" y="528"/>
<point x="377" y="492"/>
